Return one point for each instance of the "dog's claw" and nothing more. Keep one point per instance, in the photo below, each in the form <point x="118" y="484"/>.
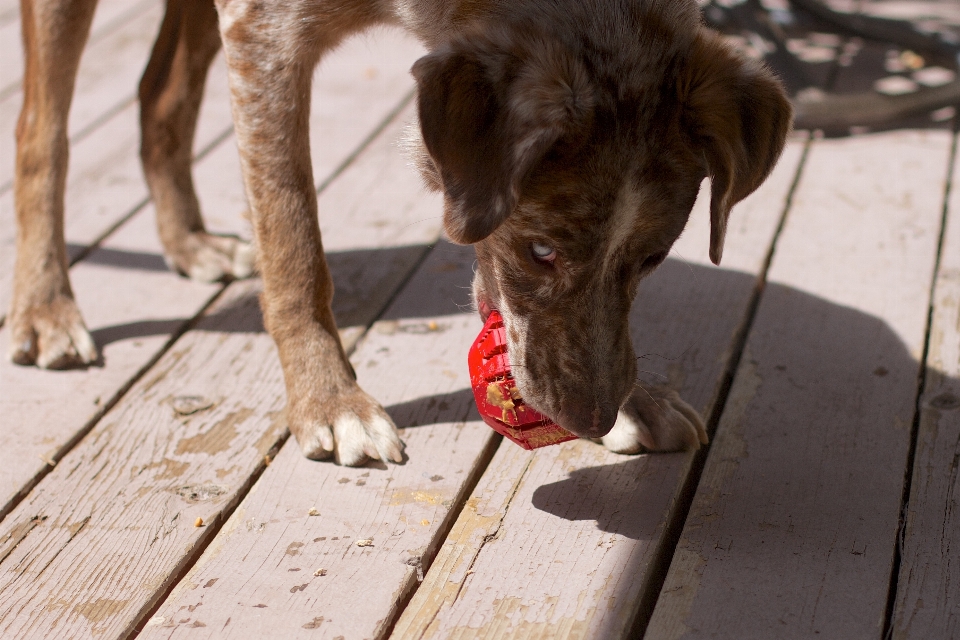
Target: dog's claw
<point x="656" y="419"/>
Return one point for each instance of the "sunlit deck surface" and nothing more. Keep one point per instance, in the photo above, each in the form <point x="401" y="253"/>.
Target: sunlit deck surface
<point x="824" y="354"/>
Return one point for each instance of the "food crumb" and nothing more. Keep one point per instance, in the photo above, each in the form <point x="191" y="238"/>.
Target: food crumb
<point x="424" y="522"/>
<point x="506" y="403"/>
<point x="432" y="325"/>
<point x="267" y="460"/>
<point x="313" y="512"/>
<point x="198" y="522"/>
<point x="320" y="572"/>
<point x="365" y="543"/>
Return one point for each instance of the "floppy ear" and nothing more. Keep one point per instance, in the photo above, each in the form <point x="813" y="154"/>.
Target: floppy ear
<point x="738" y="116"/>
<point x="487" y="120"/>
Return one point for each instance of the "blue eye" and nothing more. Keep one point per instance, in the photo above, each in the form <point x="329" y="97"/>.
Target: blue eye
<point x="543" y="252"/>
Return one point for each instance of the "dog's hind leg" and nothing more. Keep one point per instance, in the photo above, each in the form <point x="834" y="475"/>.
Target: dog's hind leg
<point x="271" y="50"/>
<point x="45" y="325"/>
<point x="170" y="94"/>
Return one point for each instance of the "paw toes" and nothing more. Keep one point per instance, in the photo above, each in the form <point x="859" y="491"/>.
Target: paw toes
<point x="66" y="349"/>
<point x="629" y="436"/>
<point x="52" y="339"/>
<point x="352" y="439"/>
<point x="208" y="266"/>
<point x="656" y="419"/>
<point x="208" y="258"/>
<point x="319" y="444"/>
<point x="352" y="446"/>
<point x="24" y="351"/>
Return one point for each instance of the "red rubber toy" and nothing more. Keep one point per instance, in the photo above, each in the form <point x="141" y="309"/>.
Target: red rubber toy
<point x="497" y="396"/>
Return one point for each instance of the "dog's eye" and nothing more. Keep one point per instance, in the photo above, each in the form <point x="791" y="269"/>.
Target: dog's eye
<point x="654" y="261"/>
<point x="543" y="252"/>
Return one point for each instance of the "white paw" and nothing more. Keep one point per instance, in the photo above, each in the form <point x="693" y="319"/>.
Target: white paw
<point x="51" y="336"/>
<point x="351" y="439"/>
<point x="655" y="419"/>
<point x="207" y="257"/>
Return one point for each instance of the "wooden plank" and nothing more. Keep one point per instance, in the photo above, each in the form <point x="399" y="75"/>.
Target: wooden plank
<point x="928" y="588"/>
<point x="793" y="526"/>
<point x="357" y="87"/>
<point x="52" y="432"/>
<point x="106" y="80"/>
<point x="259" y="576"/>
<point x="578" y="526"/>
<point x="132" y="304"/>
<point x="109" y="16"/>
<point x="9" y="11"/>
<point x="120" y="508"/>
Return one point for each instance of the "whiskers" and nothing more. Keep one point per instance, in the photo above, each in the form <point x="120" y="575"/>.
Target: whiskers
<point x="638" y="384"/>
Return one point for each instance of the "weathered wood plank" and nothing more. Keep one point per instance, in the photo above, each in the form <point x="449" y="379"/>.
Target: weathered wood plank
<point x="793" y="527"/>
<point x="144" y="473"/>
<point x="356" y="88"/>
<point x="106" y="80"/>
<point x="9" y="11"/>
<point x="132" y="304"/>
<point x="579" y="527"/>
<point x="105" y="183"/>
<point x="220" y="191"/>
<point x="928" y="589"/>
<point x="109" y="16"/>
<point x="259" y="576"/>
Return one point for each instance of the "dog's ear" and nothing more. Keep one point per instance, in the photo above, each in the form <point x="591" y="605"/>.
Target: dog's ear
<point x="488" y="118"/>
<point x="738" y="117"/>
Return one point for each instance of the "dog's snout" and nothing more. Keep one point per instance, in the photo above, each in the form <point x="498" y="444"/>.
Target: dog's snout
<point x="587" y="419"/>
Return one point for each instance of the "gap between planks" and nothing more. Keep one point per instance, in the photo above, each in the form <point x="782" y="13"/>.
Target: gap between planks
<point x="926" y="584"/>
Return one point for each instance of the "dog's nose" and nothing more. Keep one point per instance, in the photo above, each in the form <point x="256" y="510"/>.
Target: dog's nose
<point x="587" y="420"/>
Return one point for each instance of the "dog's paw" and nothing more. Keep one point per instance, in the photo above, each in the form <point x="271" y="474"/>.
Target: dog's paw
<point x="208" y="257"/>
<point x="51" y="335"/>
<point x="655" y="419"/>
<point x="354" y="430"/>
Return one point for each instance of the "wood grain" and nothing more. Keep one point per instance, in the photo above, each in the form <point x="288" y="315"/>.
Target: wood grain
<point x="792" y="530"/>
<point x="560" y="542"/>
<point x="133" y="304"/>
<point x="928" y="588"/>
<point x="106" y="80"/>
<point x="162" y="470"/>
<point x="259" y="576"/>
<point x="119" y="306"/>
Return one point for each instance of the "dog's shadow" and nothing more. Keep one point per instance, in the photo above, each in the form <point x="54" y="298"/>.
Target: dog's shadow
<point x="822" y="366"/>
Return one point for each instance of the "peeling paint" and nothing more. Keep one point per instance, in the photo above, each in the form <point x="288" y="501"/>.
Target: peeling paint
<point x="278" y="426"/>
<point x="409" y="496"/>
<point x="218" y="438"/>
<point x="100" y="609"/>
<point x="168" y="468"/>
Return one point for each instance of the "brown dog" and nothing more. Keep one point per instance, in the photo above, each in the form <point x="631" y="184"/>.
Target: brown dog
<point x="569" y="138"/>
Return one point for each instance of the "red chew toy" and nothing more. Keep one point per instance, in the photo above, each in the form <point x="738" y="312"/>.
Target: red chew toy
<point x="497" y="396"/>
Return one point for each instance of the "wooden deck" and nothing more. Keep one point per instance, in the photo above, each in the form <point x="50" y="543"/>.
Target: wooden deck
<point x="824" y="354"/>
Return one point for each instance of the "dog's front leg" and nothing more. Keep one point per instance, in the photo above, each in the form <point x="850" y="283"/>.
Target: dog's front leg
<point x="271" y="59"/>
<point x="46" y="328"/>
<point x="170" y="95"/>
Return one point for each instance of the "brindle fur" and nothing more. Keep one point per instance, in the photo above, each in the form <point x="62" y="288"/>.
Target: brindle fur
<point x="583" y="125"/>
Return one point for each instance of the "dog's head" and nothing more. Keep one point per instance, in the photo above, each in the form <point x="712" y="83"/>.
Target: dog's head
<point x="572" y="163"/>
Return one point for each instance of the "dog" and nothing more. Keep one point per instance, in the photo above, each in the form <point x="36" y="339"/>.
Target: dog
<point x="569" y="139"/>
